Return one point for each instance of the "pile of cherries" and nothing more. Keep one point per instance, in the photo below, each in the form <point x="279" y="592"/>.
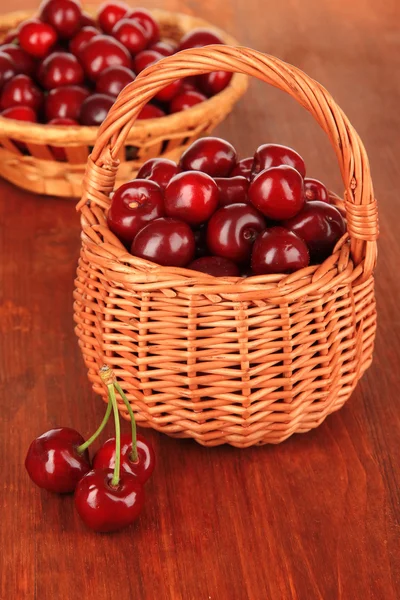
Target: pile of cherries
<point x="109" y="493"/>
<point x="66" y="68"/>
<point x="227" y="217"/>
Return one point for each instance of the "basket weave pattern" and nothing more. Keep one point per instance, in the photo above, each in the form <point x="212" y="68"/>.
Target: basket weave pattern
<point x="228" y="360"/>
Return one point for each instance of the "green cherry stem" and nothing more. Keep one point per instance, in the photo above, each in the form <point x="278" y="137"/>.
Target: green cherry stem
<point x="81" y="449"/>
<point x="134" y="454"/>
<point x="113" y="400"/>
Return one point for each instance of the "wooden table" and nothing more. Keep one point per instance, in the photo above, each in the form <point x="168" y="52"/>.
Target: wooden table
<point x="314" y="518"/>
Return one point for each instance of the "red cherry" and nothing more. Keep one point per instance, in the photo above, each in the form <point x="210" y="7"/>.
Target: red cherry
<point x="167" y="242"/>
<point x="169" y="92"/>
<point x="243" y="168"/>
<point x="191" y="197"/>
<point x="134" y="205"/>
<point x="320" y="226"/>
<point x="110" y="13"/>
<point x="53" y="461"/>
<point x="36" y="38"/>
<point x="60" y="69"/>
<point x="275" y="155"/>
<point x="87" y="20"/>
<point x="95" y="109"/>
<point x="102" y="52"/>
<point x="142" y="469"/>
<point x="315" y="190"/>
<point x="81" y="39"/>
<point x="185" y="100"/>
<point x="11" y="36"/>
<point x="277" y="192"/>
<point x="145" y="59"/>
<point x="160" y="170"/>
<point x="189" y="85"/>
<point x="131" y="35"/>
<point x="58" y="152"/>
<point x="211" y="155"/>
<point x="21" y="91"/>
<point x="213" y="83"/>
<point x="65" y="16"/>
<point x="278" y="250"/>
<point x="20" y="113"/>
<point x="103" y="507"/>
<point x="65" y="102"/>
<point x="113" y="80"/>
<point x="216" y="266"/>
<point x="22" y="61"/>
<point x="150" y="111"/>
<point x="144" y="18"/>
<point x="232" y="190"/>
<point x="199" y="37"/>
<point x="164" y="48"/>
<point x="232" y="231"/>
<point x="7" y="68"/>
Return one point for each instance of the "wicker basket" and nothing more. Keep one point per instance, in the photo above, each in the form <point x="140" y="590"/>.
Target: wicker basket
<point x="228" y="360"/>
<point x="168" y="136"/>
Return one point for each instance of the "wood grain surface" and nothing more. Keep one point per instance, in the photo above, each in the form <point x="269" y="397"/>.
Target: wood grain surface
<point x="314" y="518"/>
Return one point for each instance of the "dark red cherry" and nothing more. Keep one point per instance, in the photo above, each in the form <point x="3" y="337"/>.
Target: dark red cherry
<point x="216" y="266"/>
<point x="199" y="37"/>
<point x="7" y="69"/>
<point x="131" y="35"/>
<point x="164" y="48"/>
<point x="23" y="62"/>
<point x="81" y="39"/>
<point x="243" y="168"/>
<point x="142" y="469"/>
<point x="232" y="231"/>
<point x="53" y="461"/>
<point x="65" y="102"/>
<point x="21" y="91"/>
<point x="167" y="242"/>
<point x="320" y="226"/>
<point x="315" y="190"/>
<point x="95" y="109"/>
<point x="60" y="69"/>
<point x="232" y="190"/>
<point x="191" y="197"/>
<point x="145" y="59"/>
<point x="103" y="507"/>
<point x="58" y="152"/>
<point x="150" y="111"/>
<point x="134" y="205"/>
<point x="275" y="155"/>
<point x="169" y="92"/>
<point x="110" y="13"/>
<point x="102" y="52"/>
<point x="160" y="170"/>
<point x="277" y="192"/>
<point x="213" y="83"/>
<point x="278" y="250"/>
<point x="113" y="80"/>
<point x="149" y="25"/>
<point x="212" y="155"/>
<point x="20" y="113"/>
<point x="65" y="16"/>
<point x="189" y="84"/>
<point x="87" y="20"/>
<point x="185" y="100"/>
<point x="36" y="38"/>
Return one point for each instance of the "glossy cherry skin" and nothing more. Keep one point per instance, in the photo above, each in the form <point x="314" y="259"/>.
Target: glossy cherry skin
<point x="95" y="109"/>
<point x="102" y="52"/>
<point x="142" y="469"/>
<point x="278" y="250"/>
<point x="150" y="26"/>
<point x="21" y="91"/>
<point x="167" y="242"/>
<point x="164" y="48"/>
<point x="275" y="155"/>
<point x="216" y="266"/>
<point x="7" y="69"/>
<point x="320" y="226"/>
<point x="150" y="111"/>
<point x="145" y="59"/>
<point x="105" y="508"/>
<point x="36" y="38"/>
<point x="110" y="13"/>
<point x="211" y="155"/>
<point x="185" y="100"/>
<point x="65" y="102"/>
<point x="23" y="62"/>
<point x="20" y="113"/>
<point x="113" y="80"/>
<point x="243" y="168"/>
<point x="277" y="192"/>
<point x="199" y="37"/>
<point x="169" y="92"/>
<point x="232" y="231"/>
<point x="191" y="197"/>
<point x="160" y="170"/>
<point x="232" y="190"/>
<point x="134" y="205"/>
<point x="87" y="20"/>
<point x="81" y="39"/>
<point x="60" y="69"/>
<point x="213" y="83"/>
<point x="131" y="35"/>
<point x="65" y="16"/>
<point x="54" y="463"/>
<point x="315" y="190"/>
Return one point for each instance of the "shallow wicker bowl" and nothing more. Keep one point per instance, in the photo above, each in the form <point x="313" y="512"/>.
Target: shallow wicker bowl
<point x="168" y="136"/>
<point x="228" y="360"/>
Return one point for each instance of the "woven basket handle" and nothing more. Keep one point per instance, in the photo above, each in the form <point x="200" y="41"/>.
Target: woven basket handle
<point x="360" y="204"/>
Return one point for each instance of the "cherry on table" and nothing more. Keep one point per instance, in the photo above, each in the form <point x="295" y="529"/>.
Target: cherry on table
<point x="8" y="69"/>
<point x="191" y="196"/>
<point x="186" y="99"/>
<point x="23" y="62"/>
<point x="213" y="83"/>
<point x="21" y="91"/>
<point x="150" y="26"/>
<point x="151" y="111"/>
<point x="277" y="192"/>
<point x="275" y="155"/>
<point x="102" y="52"/>
<point x="145" y="59"/>
<point x="134" y="205"/>
<point x="218" y="266"/>
<point x="65" y="102"/>
<point x="277" y="250"/>
<point x="60" y="69"/>
<point x="81" y="39"/>
<point x="113" y="80"/>
<point x="165" y="241"/>
<point x="130" y="34"/>
<point x="199" y="37"/>
<point x="232" y="190"/>
<point x="315" y="190"/>
<point x="243" y="168"/>
<point x="110" y="13"/>
<point x="142" y="469"/>
<point x="164" y="48"/>
<point x="211" y="155"/>
<point x="65" y="16"/>
<point x="159" y="170"/>
<point x="20" y="113"/>
<point x="36" y="38"/>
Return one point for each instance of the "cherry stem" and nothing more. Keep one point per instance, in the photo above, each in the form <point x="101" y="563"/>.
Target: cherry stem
<point x="134" y="454"/>
<point x="113" y="401"/>
<point x="81" y="449"/>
